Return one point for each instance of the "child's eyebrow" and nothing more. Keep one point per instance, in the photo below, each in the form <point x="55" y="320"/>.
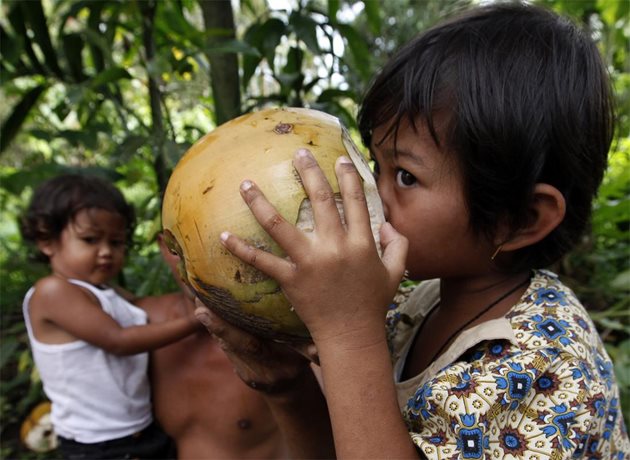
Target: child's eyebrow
<point x="402" y="153"/>
<point x="410" y="156"/>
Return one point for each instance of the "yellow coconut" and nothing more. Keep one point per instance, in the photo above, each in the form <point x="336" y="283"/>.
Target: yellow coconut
<point x="36" y="431"/>
<point x="202" y="200"/>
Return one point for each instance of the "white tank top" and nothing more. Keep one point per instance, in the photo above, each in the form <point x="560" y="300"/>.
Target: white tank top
<point x="96" y="396"/>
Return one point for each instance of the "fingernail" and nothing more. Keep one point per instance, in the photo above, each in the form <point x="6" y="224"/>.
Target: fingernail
<point x="303" y="153"/>
<point x="204" y="318"/>
<point x="246" y="185"/>
<point x="344" y="159"/>
<point x="224" y="236"/>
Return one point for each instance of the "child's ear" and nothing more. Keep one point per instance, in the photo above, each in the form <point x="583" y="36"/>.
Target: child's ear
<point x="46" y="247"/>
<point x="546" y="210"/>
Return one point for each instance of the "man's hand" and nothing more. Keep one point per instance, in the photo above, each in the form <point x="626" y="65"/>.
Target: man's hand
<point x="264" y="365"/>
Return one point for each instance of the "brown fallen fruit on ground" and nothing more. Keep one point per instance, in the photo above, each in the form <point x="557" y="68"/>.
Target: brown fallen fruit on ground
<point x="202" y="200"/>
<point x="36" y="431"/>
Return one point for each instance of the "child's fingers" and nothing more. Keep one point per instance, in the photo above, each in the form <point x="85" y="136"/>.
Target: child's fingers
<point x="283" y="233"/>
<point x="205" y="316"/>
<point x="395" y="248"/>
<point x="270" y="264"/>
<point x="319" y="191"/>
<point x="355" y="208"/>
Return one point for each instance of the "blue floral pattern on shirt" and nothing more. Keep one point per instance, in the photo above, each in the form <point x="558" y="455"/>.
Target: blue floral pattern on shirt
<point x="550" y="395"/>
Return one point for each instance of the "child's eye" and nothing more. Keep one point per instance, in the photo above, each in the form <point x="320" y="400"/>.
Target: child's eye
<point x="90" y="239"/>
<point x="118" y="243"/>
<point x="405" y="178"/>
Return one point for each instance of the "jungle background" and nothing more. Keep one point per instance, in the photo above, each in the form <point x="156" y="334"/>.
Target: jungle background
<point x="122" y="88"/>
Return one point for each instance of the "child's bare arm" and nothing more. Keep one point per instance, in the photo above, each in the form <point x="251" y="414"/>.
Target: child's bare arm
<point x="62" y="307"/>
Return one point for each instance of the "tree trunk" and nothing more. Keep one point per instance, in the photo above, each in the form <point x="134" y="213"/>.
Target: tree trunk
<point x="224" y="77"/>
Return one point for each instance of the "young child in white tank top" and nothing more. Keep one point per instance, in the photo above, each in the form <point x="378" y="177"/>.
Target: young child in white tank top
<point x="88" y="341"/>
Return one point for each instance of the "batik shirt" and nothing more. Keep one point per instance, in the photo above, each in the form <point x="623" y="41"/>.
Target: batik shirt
<point x="535" y="384"/>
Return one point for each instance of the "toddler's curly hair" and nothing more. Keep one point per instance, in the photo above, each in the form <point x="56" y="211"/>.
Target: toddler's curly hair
<point x="57" y="201"/>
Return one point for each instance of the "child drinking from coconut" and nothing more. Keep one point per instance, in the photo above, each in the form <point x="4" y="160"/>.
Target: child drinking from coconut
<point x="89" y="342"/>
<point x="197" y="398"/>
<point x="490" y="135"/>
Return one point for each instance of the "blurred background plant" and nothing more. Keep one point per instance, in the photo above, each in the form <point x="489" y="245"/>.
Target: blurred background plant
<point x="123" y="88"/>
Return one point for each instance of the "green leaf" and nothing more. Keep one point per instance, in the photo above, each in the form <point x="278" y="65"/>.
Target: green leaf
<point x="373" y="16"/>
<point x="262" y="101"/>
<point x="7" y="350"/>
<point x="16" y="182"/>
<point x="172" y="23"/>
<point x="10" y="49"/>
<point x="333" y="107"/>
<point x="271" y="32"/>
<point x="250" y="62"/>
<point x="17" y="21"/>
<point x="333" y="7"/>
<point x="289" y="81"/>
<point x="12" y="125"/>
<point x="34" y="16"/>
<point x="613" y="324"/>
<point x="311" y="84"/>
<point x="78" y="138"/>
<point x="158" y="66"/>
<point x="128" y="148"/>
<point x="173" y="151"/>
<point x="110" y="75"/>
<point x="72" y="48"/>
<point x="96" y="43"/>
<point x="331" y="94"/>
<point x="611" y="11"/>
<point x="358" y="48"/>
<point x="621" y="281"/>
<point x="233" y="46"/>
<point x="306" y="30"/>
<point x="254" y="36"/>
<point x="294" y="60"/>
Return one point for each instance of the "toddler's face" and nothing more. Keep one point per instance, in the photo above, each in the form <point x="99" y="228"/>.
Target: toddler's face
<point x="90" y="248"/>
<point x="423" y="196"/>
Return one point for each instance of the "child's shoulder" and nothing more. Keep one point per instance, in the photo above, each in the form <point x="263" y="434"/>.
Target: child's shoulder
<point x="52" y="286"/>
<point x="549" y="314"/>
<point x="52" y="289"/>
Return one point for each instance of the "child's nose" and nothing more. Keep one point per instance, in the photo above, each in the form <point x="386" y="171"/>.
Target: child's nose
<point x="105" y="249"/>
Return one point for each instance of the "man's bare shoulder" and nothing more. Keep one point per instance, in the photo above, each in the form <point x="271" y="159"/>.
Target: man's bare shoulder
<point x="161" y="307"/>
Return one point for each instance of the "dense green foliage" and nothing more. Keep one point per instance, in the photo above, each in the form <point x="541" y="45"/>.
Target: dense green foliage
<point x="123" y="88"/>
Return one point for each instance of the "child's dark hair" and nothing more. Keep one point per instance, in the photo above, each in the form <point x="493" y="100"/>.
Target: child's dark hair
<point x="527" y="100"/>
<point x="57" y="201"/>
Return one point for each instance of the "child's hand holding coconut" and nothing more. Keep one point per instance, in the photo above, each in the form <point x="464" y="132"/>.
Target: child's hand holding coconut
<point x="342" y="257"/>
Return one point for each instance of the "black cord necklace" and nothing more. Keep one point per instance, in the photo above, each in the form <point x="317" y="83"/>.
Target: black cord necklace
<point x="471" y="320"/>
